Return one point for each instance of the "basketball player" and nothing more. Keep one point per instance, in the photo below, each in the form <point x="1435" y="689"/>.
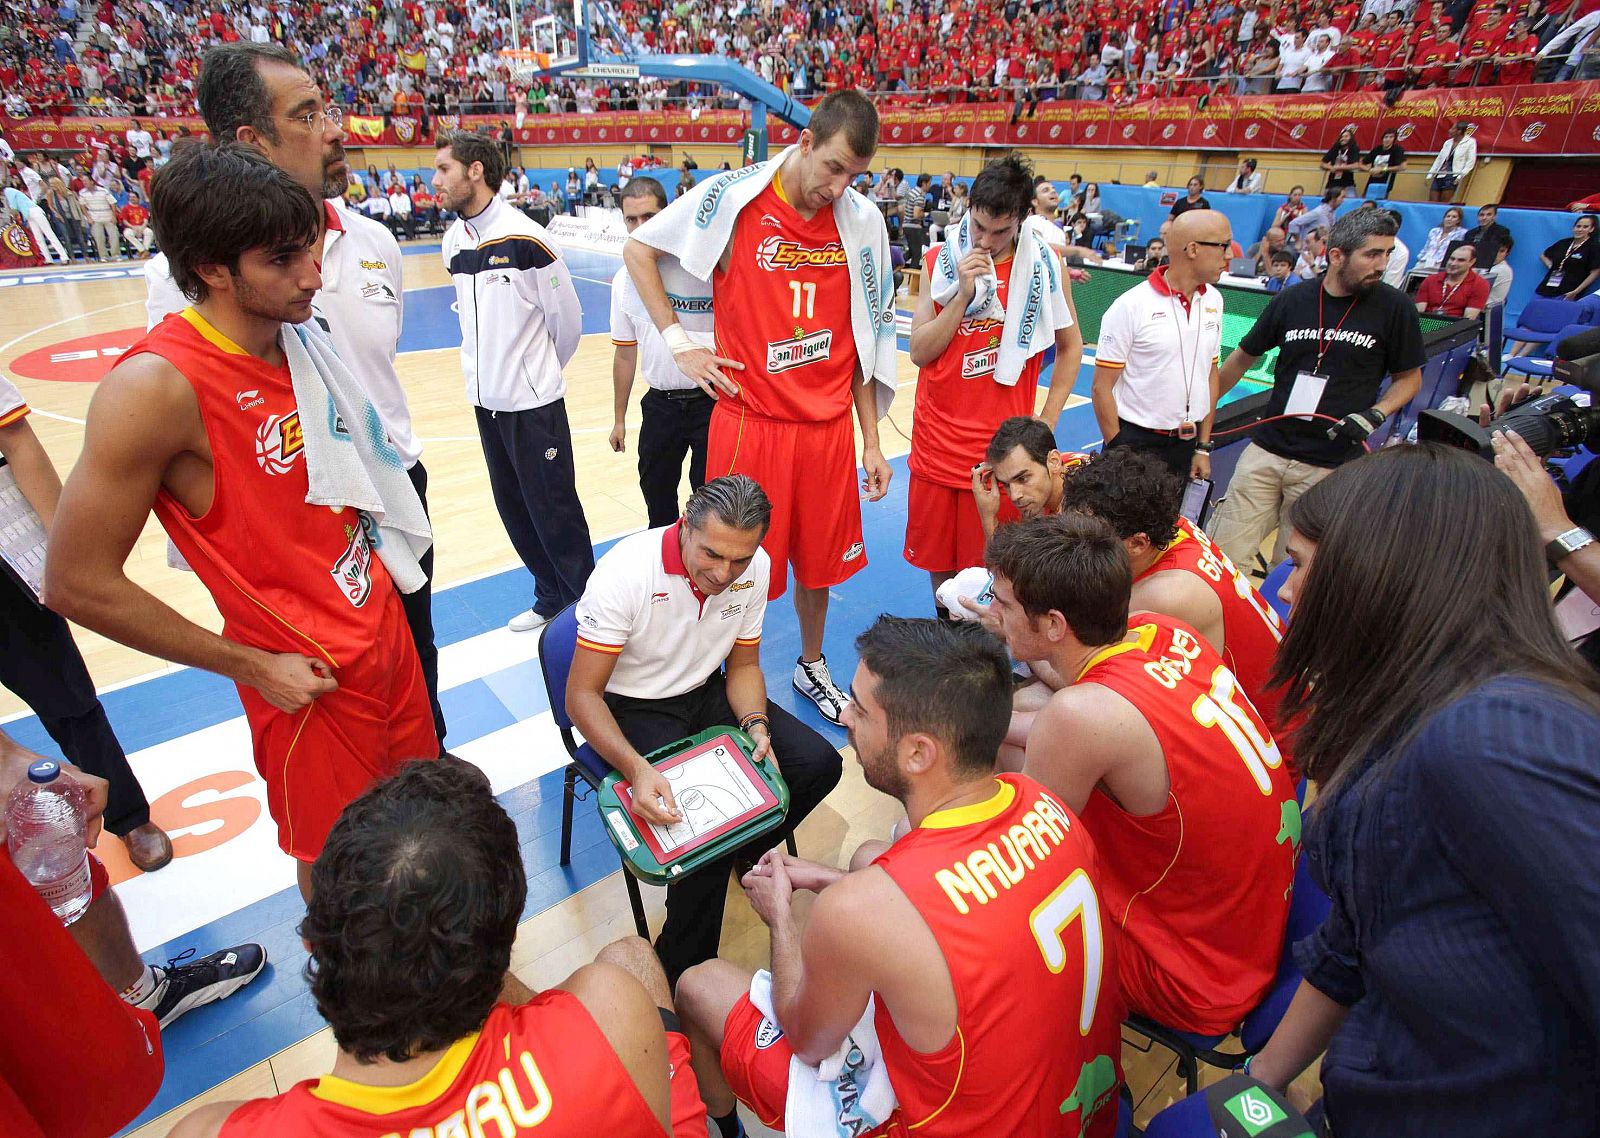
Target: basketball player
<point x="1173" y="771"/>
<point x="979" y="933"/>
<point x="1022" y="460"/>
<point x="410" y="927"/>
<point x="1176" y="568"/>
<point x="789" y="429"/>
<point x="198" y="421"/>
<point x="959" y="401"/>
<point x="257" y="93"/>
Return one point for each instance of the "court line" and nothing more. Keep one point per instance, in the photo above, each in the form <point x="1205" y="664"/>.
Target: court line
<point x="15" y="340"/>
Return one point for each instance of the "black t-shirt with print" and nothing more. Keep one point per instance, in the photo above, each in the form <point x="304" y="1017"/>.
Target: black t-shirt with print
<point x="1569" y="267"/>
<point x="1340" y="154"/>
<point x="1383" y="163"/>
<point x="1368" y="336"/>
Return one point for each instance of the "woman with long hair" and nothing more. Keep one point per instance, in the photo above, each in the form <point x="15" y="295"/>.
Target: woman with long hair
<point x="1454" y="738"/>
<point x="1291" y="209"/>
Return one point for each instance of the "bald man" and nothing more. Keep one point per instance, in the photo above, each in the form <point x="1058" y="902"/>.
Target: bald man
<point x="1155" y="375"/>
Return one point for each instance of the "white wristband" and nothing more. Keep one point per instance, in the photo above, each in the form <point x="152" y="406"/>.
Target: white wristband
<point x="678" y="340"/>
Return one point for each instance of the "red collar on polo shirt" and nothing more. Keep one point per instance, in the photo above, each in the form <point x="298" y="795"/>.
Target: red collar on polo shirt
<point x="332" y="212"/>
<point x="672" y="559"/>
<point x="1158" y="281"/>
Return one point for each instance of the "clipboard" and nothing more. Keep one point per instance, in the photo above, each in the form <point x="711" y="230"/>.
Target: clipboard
<point x="726" y="797"/>
<point x="22" y="537"/>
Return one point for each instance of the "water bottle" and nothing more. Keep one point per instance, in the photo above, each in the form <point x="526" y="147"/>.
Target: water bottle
<point x="45" y="829"/>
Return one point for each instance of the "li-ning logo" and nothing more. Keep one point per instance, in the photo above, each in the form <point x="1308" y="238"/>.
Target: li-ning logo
<point x="802" y="350"/>
<point x="249" y="399"/>
<point x="781" y="253"/>
<point x="713" y="200"/>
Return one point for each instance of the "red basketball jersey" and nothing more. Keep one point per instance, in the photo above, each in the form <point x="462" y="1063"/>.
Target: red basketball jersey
<point x="287" y="576"/>
<point x="1201" y="889"/>
<point x="783" y="310"/>
<point x="1251" y="629"/>
<point x="540" y="1068"/>
<point x="959" y="404"/>
<point x="1008" y="888"/>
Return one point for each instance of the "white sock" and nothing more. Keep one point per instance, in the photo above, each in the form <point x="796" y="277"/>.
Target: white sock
<point x="143" y="992"/>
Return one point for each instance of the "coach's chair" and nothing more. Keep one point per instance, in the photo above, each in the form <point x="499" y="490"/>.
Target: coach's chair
<point x="1542" y="319"/>
<point x="558" y="641"/>
<point x="1308" y="908"/>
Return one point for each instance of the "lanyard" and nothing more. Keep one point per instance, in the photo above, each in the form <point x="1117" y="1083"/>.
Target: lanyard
<point x="1194" y="356"/>
<point x="1322" y="338"/>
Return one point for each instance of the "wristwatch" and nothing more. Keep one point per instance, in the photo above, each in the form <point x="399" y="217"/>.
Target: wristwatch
<point x="1205" y="447"/>
<point x="1566" y="544"/>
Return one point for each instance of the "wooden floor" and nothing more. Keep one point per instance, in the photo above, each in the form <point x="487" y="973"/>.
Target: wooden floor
<point x="471" y="542"/>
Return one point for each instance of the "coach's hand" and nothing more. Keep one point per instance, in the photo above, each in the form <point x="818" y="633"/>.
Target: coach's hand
<point x="652" y="797"/>
<point x="706" y="369"/>
<point x="290" y="681"/>
<point x="763" y="737"/>
<point x="876" y="483"/>
<point x="619" y="437"/>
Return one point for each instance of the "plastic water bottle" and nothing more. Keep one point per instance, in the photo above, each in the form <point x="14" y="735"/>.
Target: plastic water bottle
<point x="45" y="829"/>
<point x="976" y="584"/>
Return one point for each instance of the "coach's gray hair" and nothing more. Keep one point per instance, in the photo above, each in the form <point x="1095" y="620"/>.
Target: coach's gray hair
<point x="1352" y="230"/>
<point x="735" y="500"/>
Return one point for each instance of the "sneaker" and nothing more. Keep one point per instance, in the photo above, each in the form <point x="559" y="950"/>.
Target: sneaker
<point x="527" y="621"/>
<point x="185" y="987"/>
<point x="813" y="681"/>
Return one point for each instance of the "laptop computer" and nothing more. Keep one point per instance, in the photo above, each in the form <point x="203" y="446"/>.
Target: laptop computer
<point x="1242" y="267"/>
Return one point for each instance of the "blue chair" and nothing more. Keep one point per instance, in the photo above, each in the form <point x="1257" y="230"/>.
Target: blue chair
<point x="1308" y="908"/>
<point x="1589" y="310"/>
<point x="1542" y="366"/>
<point x="1274" y="582"/>
<point x="1542" y="318"/>
<point x="558" y="643"/>
<point x="1377" y="191"/>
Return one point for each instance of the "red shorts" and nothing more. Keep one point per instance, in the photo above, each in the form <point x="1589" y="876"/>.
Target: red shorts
<point x="99" y="879"/>
<point x="943" y="532"/>
<point x="755" y="1060"/>
<point x="688" y="1112"/>
<point x="809" y="472"/>
<point x="317" y="760"/>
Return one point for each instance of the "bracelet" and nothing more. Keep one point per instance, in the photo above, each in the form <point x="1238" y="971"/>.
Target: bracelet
<point x="752" y="719"/>
<point x="678" y="340"/>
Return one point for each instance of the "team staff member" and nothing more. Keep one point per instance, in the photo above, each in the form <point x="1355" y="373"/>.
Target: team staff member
<point x="257" y="93"/>
<point x="1455" y="290"/>
<point x="789" y="428"/>
<point x="676" y="414"/>
<point x="1149" y="738"/>
<point x="520" y="324"/>
<point x="959" y="402"/>
<point x="410" y="928"/>
<point x="1337" y="338"/>
<point x="40" y="663"/>
<point x="997" y="1007"/>
<point x="314" y="634"/>
<point x="670" y="632"/>
<point x="1155" y="367"/>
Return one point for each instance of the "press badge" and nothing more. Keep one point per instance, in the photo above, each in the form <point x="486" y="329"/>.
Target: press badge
<point x="1306" y="394"/>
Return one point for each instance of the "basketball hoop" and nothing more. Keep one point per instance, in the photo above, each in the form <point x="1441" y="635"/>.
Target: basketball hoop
<point x="523" y="65"/>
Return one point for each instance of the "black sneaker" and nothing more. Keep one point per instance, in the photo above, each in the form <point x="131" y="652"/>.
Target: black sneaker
<point x="185" y="987"/>
<point x="813" y="681"/>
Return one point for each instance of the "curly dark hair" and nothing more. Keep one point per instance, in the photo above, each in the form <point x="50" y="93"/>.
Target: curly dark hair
<point x="414" y="906"/>
<point x="1135" y="492"/>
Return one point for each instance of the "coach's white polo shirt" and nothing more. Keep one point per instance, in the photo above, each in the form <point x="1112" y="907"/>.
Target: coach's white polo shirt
<point x="631" y="324"/>
<point x="1164" y="344"/>
<point x="641" y="607"/>
<point x="14" y="409"/>
<point x="361" y="304"/>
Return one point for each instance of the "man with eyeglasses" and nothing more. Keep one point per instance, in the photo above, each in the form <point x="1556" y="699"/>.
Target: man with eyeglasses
<point x="258" y="94"/>
<point x="1155" y="374"/>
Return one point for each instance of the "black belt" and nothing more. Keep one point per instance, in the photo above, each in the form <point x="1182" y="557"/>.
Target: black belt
<point x="680" y="395"/>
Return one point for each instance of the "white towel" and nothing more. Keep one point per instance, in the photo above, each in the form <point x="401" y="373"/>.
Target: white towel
<point x="848" y="1093"/>
<point x="1030" y="326"/>
<point x="349" y="458"/>
<point x="696" y="233"/>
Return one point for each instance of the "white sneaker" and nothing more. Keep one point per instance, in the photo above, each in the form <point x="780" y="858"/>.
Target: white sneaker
<point x="527" y="621"/>
<point x="813" y="681"/>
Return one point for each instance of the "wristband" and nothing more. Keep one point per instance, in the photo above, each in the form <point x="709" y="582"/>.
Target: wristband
<point x="678" y="339"/>
<point x="752" y="719"/>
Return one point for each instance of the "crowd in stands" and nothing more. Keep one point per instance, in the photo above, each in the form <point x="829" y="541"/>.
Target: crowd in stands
<point x="411" y="57"/>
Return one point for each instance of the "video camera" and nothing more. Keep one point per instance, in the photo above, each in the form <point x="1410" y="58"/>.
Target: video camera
<point x="1548" y="423"/>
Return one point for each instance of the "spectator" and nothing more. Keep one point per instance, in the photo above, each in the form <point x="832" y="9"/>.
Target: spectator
<point x="135" y="219"/>
<point x="1279" y="269"/>
<point x="1583" y="61"/>
<point x="1384" y="161"/>
<point x="66" y="210"/>
<point x="1262" y="251"/>
<point x="1313" y="255"/>
<point x="1320" y="217"/>
<point x="1092" y="83"/>
<point x="1246" y="180"/>
<point x="1455" y="160"/>
<point x="424" y="205"/>
<point x="1499" y="273"/>
<point x="1572" y="265"/>
<point x="1150" y="181"/>
<point x="402" y="215"/>
<point x="1194" y="199"/>
<point x="1395" y="274"/>
<point x="1342" y="160"/>
<point x="140" y="143"/>
<point x="1293" y="61"/>
<point x="1155" y="255"/>
<point x="1455" y="290"/>
<point x="1261" y="71"/>
<point x="1517" y="54"/>
<point x="1440" y="238"/>
<point x="1320" y="51"/>
<point x="1487" y="236"/>
<point x="1290" y="209"/>
<point x="1091" y="200"/>
<point x="574" y="190"/>
<point x="101" y="210"/>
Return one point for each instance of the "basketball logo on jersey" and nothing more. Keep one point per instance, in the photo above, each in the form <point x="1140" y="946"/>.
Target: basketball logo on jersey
<point x="782" y="253"/>
<point x="279" y="442"/>
<point x="353" y="571"/>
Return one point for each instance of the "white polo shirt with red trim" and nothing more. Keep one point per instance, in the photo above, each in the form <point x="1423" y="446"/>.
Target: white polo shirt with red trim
<point x="641" y="607"/>
<point x="13" y="408"/>
<point x="1164" y="344"/>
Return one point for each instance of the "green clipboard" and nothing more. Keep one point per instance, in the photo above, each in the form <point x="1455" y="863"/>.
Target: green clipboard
<point x="727" y="799"/>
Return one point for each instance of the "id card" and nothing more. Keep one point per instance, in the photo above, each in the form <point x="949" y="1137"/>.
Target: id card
<point x="1306" y="394"/>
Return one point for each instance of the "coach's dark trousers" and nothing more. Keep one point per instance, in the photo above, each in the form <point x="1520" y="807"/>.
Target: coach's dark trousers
<point x="41" y="665"/>
<point x="810" y="767"/>
<point x="1167" y="446"/>
<point x="419" y="613"/>
<point x="531" y="474"/>
<point x="675" y="423"/>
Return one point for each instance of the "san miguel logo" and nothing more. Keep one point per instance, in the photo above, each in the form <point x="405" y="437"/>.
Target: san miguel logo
<point x="1169" y="130"/>
<point x="1210" y="130"/>
<point x="980" y="362"/>
<point x="1405" y="131"/>
<point x="781" y="253"/>
<point x="1249" y="132"/>
<point x="1298" y="131"/>
<point x="803" y="349"/>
